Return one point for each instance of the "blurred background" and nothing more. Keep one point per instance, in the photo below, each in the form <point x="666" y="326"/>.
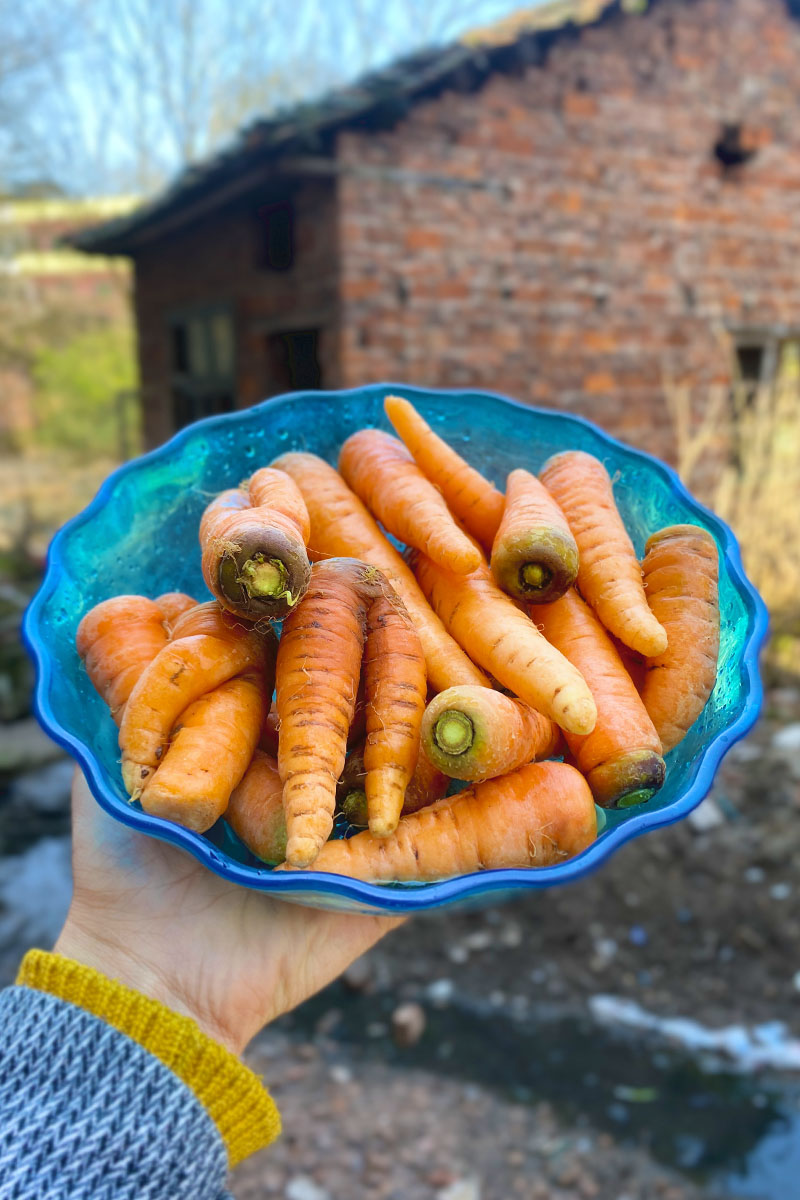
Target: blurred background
<point x="585" y="204"/>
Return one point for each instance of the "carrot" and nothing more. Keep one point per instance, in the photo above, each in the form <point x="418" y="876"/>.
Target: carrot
<point x="255" y="810"/>
<point x="254" y="547"/>
<point x="621" y="757"/>
<point x="540" y="814"/>
<point x="187" y="667"/>
<point x="474" y="734"/>
<point x="534" y="556"/>
<point x="351" y="795"/>
<point x="609" y="575"/>
<point x="117" y="640"/>
<point x="381" y="471"/>
<point x="426" y="785"/>
<point x="319" y="661"/>
<point x="505" y="642"/>
<point x="395" y="688"/>
<point x="681" y="569"/>
<point x="342" y="526"/>
<point x="268" y="742"/>
<point x="173" y="605"/>
<point x="472" y="499"/>
<point x="210" y="749"/>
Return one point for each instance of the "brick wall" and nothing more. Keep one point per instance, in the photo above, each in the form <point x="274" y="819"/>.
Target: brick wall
<point x="217" y="260"/>
<point x="581" y="243"/>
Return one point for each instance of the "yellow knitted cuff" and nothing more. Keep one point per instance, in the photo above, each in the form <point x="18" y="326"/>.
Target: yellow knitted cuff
<point x="234" y="1097"/>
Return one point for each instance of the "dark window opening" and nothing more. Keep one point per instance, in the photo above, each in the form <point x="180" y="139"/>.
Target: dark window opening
<point x="731" y="148"/>
<point x="292" y="364"/>
<point x="189" y="405"/>
<point x="276" y="222"/>
<point x="750" y="361"/>
<point x="202" y="348"/>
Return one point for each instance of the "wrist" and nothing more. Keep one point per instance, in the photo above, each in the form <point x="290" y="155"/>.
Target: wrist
<point x="96" y="949"/>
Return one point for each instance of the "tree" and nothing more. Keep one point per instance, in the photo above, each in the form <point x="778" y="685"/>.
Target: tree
<point x="124" y="93"/>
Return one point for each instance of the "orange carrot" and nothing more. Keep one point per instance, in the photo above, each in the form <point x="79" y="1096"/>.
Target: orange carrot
<point x="268" y="742"/>
<point x="539" y="815"/>
<point x="507" y="644"/>
<point x="381" y="471"/>
<point x="609" y="575"/>
<point x="681" y="569"/>
<point x="342" y="526"/>
<point x="187" y="667"/>
<point x="319" y="661"/>
<point x="534" y="556"/>
<point x="474" y="733"/>
<point x="255" y="811"/>
<point x="395" y="687"/>
<point x="426" y="785"/>
<point x="210" y="749"/>
<point x="254" y="547"/>
<point x="117" y="640"/>
<point x="621" y="757"/>
<point x="173" y="605"/>
<point x="473" y="500"/>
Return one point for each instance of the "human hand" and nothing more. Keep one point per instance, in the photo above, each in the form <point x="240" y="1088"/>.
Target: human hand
<point x="151" y="916"/>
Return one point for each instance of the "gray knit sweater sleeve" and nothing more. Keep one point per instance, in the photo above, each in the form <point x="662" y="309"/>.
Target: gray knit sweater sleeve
<point x="88" y="1114"/>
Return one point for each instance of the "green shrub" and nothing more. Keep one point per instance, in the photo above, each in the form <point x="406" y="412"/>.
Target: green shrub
<point x="84" y="399"/>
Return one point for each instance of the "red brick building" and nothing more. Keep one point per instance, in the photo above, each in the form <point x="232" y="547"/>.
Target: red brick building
<point x="571" y="213"/>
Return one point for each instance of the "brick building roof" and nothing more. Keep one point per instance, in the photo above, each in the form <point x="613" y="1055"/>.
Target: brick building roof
<point x="374" y="101"/>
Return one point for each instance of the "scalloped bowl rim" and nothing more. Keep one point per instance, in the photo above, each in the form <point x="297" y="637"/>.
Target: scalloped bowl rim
<point x="414" y="897"/>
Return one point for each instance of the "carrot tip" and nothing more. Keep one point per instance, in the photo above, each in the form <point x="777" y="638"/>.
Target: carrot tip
<point x="454" y="732"/>
<point x="381" y="827"/>
<point x="301" y="851"/>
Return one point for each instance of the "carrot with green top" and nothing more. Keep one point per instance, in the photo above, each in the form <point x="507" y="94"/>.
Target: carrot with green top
<point x="475" y="734"/>
<point x="209" y="751"/>
<point x="538" y="815"/>
<point x="188" y="667"/>
<point x="341" y="526"/>
<point x="506" y="643"/>
<point x="473" y="500"/>
<point x="255" y="810"/>
<point x="253" y="544"/>
<point x="609" y="574"/>
<point x="681" y="573"/>
<point x="319" y="663"/>
<point x="117" y="640"/>
<point x="381" y="471"/>
<point x="621" y="757"/>
<point x="534" y="556"/>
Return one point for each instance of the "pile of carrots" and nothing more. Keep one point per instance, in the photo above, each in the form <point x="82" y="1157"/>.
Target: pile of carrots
<point x="518" y="645"/>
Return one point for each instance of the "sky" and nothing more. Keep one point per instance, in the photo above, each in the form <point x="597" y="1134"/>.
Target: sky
<point x="118" y="95"/>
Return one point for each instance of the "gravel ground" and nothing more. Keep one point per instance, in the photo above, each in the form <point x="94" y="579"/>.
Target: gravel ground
<point x="697" y="922"/>
<point x="381" y="1134"/>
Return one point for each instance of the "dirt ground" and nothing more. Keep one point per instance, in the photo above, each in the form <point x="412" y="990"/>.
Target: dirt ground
<point x="699" y="923"/>
<point x="376" y="1133"/>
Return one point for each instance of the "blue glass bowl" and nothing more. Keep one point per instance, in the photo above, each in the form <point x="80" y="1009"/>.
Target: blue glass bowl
<point x="139" y="535"/>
